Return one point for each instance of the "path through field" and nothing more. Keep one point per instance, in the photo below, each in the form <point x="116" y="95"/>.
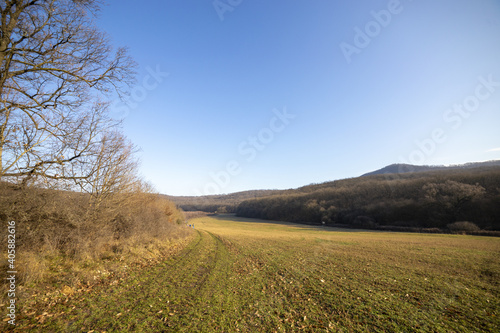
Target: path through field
<point x="241" y="275"/>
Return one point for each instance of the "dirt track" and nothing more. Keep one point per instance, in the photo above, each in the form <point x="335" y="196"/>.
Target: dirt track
<point x="239" y="275"/>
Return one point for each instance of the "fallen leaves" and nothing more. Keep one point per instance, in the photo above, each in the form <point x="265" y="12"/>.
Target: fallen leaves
<point x="68" y="291"/>
<point x="41" y="318"/>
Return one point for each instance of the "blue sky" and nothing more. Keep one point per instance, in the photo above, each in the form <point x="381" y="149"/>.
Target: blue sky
<point x="238" y="95"/>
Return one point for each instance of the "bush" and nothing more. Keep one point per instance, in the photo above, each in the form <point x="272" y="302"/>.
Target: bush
<point x="463" y="226"/>
<point x="364" y="222"/>
<point x="62" y="224"/>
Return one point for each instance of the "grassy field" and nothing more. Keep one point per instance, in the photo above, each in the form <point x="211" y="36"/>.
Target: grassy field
<point x="242" y="275"/>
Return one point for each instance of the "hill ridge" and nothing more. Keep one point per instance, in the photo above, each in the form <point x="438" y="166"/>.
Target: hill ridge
<point x="399" y="168"/>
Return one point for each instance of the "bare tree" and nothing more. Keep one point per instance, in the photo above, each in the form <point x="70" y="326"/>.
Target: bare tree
<point x="452" y="196"/>
<point x="112" y="170"/>
<point x="56" y="70"/>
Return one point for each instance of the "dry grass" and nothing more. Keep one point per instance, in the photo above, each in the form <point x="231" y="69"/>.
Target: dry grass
<point x="62" y="242"/>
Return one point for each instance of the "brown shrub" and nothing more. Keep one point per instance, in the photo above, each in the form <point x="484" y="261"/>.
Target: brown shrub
<point x="463" y="226"/>
<point x="54" y="224"/>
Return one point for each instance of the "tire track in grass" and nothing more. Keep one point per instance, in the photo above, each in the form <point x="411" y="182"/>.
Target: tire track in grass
<point x="143" y="286"/>
<point x="211" y="297"/>
<point x="183" y="285"/>
<point x="138" y="283"/>
<point x="154" y="299"/>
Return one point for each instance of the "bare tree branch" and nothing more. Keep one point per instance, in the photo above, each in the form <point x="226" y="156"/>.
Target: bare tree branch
<point x="55" y="69"/>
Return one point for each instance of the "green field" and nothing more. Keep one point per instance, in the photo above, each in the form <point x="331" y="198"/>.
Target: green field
<point x="243" y="275"/>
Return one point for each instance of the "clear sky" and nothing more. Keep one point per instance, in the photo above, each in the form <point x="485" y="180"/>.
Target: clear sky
<point x="258" y="94"/>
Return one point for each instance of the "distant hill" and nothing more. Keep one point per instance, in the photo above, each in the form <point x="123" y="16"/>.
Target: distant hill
<point x="230" y="202"/>
<point x="406" y="168"/>
<point x="427" y="198"/>
<point x="220" y="202"/>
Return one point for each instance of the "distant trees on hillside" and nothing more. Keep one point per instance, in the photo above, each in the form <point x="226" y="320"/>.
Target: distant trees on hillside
<point x="227" y="203"/>
<point x="451" y="198"/>
<point x="420" y="200"/>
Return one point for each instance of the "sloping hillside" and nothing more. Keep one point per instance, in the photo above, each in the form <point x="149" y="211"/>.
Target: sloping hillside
<point x="407" y="168"/>
<point x="221" y="203"/>
<point x="432" y="199"/>
<point x="394" y="184"/>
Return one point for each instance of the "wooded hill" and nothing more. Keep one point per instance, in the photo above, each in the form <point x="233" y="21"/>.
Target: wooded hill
<point x="224" y="203"/>
<point x="430" y="197"/>
<point x="406" y="168"/>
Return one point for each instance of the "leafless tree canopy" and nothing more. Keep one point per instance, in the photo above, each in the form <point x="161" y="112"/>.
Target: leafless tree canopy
<point x="57" y="69"/>
<point x="57" y="75"/>
<point x="113" y="170"/>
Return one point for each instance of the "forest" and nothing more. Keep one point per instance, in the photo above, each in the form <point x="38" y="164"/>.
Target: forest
<point x="462" y="200"/>
<point x="224" y="203"/>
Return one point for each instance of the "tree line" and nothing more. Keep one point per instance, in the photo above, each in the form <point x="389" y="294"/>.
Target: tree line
<point x="435" y="199"/>
<point x="224" y="203"/>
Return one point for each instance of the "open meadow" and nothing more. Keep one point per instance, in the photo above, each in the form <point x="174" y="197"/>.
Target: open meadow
<point x="249" y="166"/>
<point x="244" y="275"/>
